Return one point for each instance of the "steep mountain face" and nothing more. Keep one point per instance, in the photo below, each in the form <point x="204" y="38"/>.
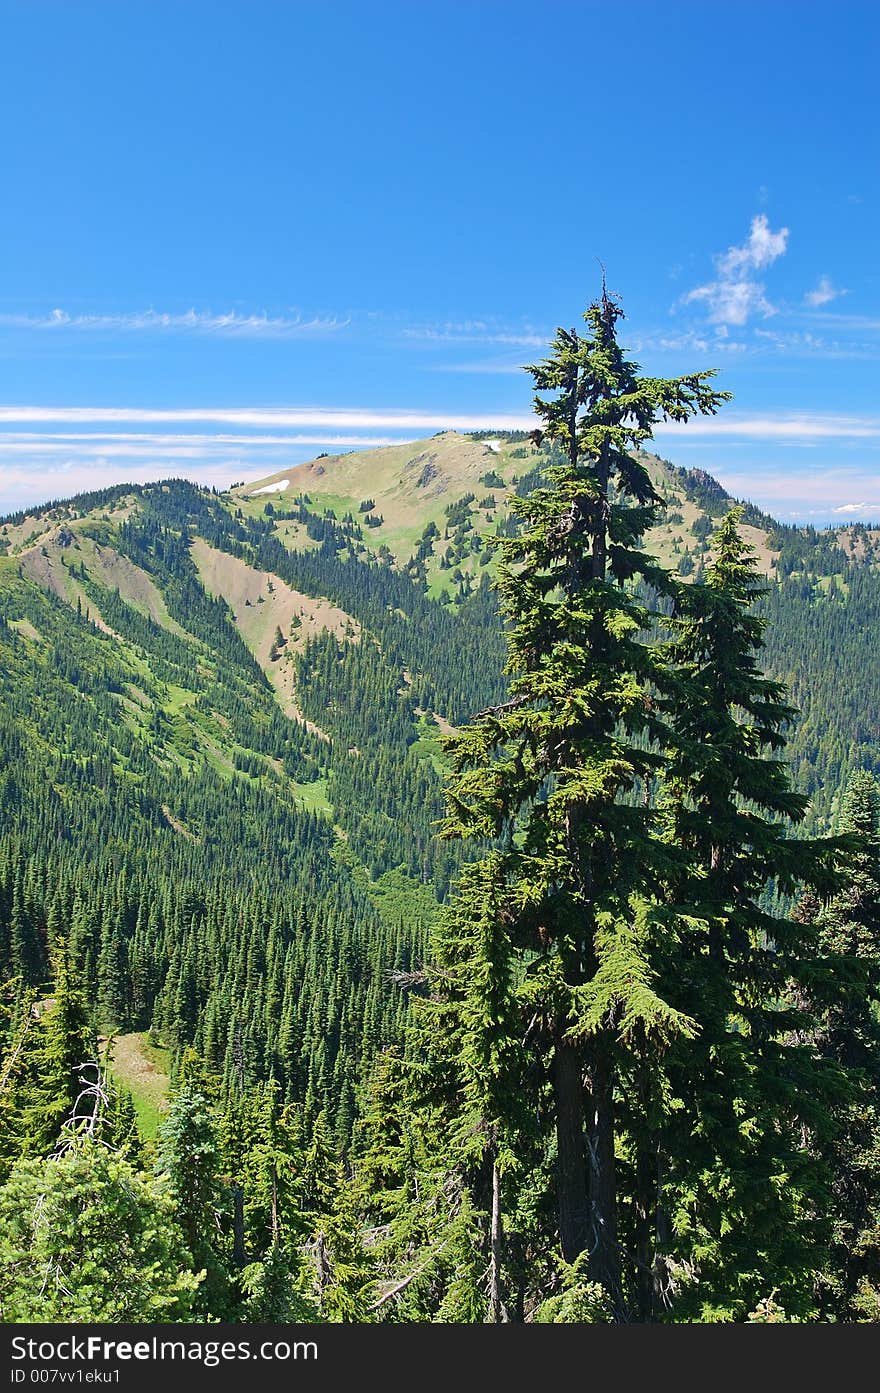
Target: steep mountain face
<point x="220" y="717"/>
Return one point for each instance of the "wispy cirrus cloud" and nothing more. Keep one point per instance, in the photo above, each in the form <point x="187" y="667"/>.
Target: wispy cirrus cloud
<point x="191" y="321"/>
<point x="67" y="450"/>
<point x="686" y="340"/>
<point x="792" y="427"/>
<point x="736" y="295"/>
<point x="322" y="424"/>
<point x="318" y="417"/>
<point x="487" y="367"/>
<point x="131" y="445"/>
<point x="479" y="331"/>
<point x="835" y="319"/>
<point x="57" y="451"/>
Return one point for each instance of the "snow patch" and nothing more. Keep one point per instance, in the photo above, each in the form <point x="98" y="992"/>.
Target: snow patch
<point x="493" y="445"/>
<point x="279" y="487"/>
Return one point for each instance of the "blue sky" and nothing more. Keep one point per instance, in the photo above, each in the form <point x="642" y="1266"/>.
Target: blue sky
<point x="235" y="234"/>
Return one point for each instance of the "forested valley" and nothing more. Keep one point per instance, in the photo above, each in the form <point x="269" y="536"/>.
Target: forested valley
<point x="450" y="901"/>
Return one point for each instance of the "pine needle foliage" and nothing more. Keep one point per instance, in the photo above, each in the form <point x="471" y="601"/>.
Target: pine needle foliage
<point x="551" y="775"/>
<point x="738" y="1195"/>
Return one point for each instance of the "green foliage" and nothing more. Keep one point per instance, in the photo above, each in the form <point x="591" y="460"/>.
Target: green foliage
<point x="735" y="1145"/>
<point x="51" y="1042"/>
<point x="552" y="772"/>
<point x="848" y="1035"/>
<point x="84" y="1237"/>
<point x="579" y="1302"/>
<point x="188" y="1160"/>
<point x="463" y="1300"/>
<point x="342" y="1285"/>
<point x="272" y="1291"/>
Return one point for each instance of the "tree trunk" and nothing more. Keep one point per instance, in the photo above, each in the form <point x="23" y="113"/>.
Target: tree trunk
<point x="716" y="942"/>
<point x="239" y="1252"/>
<point x="496" y="1307"/>
<point x="644" y="1233"/>
<point x="646" y="1199"/>
<point x="276" y="1227"/>
<point x="322" y="1268"/>
<point x="571" y="1169"/>
<point x="602" y="1227"/>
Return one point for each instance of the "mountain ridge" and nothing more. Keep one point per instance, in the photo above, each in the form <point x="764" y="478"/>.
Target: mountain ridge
<point x="393" y="493"/>
<point x="266" y="593"/>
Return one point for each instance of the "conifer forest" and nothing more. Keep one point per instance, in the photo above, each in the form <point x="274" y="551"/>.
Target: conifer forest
<point x="442" y="884"/>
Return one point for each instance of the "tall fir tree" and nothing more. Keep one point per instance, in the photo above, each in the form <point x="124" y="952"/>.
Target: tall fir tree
<point x="188" y="1156"/>
<point x="734" y="1193"/>
<point x="470" y="1028"/>
<point x="47" y="1079"/>
<point x="552" y="773"/>
<point x="848" y="1033"/>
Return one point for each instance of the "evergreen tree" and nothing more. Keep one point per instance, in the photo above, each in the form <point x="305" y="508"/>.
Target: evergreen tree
<point x="273" y="1289"/>
<point x="553" y="772"/>
<point x="45" y="1078"/>
<point x="342" y="1283"/>
<point x="849" y="1034"/>
<point x="734" y="1196"/>
<point x="340" y="1276"/>
<point x="85" y="1237"/>
<point x="188" y="1156"/>
<point x="470" y="1029"/>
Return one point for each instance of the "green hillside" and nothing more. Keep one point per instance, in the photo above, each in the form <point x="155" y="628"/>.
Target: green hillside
<point x="221" y="719"/>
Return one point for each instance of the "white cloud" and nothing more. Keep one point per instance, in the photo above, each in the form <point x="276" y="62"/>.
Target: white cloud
<point x="690" y="340"/>
<point x="823" y="294"/>
<point x="475" y="331"/>
<point x="731" y="302"/>
<point x="265" y="325"/>
<point x="353" y="426"/>
<point x="823" y="487"/>
<point x="735" y="296"/>
<point x="762" y="248"/>
<point x="167" y="444"/>
<point x="835" y="320"/>
<point x="782" y="427"/>
<point x="319" y="417"/>
<point x="191" y="321"/>
<point x="487" y="367"/>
